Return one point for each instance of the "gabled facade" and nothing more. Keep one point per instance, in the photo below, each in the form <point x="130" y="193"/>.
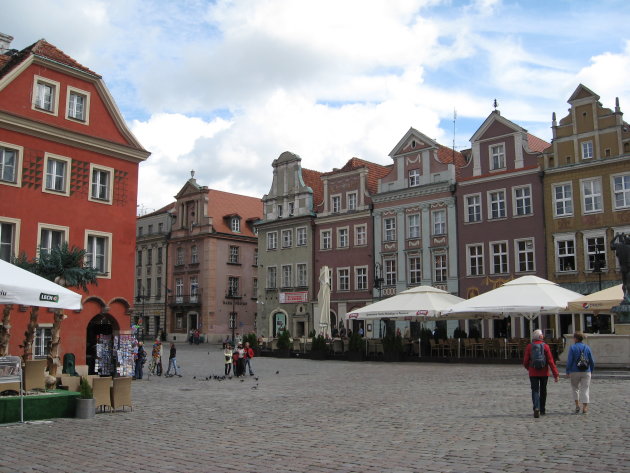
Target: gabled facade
<point x="344" y="237"/>
<point x="212" y="264"/>
<point x="285" y="249"/>
<point x="587" y="193"/>
<point x="500" y="213"/>
<point x="69" y="173"/>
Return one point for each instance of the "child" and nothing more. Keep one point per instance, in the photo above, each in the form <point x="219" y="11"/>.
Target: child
<point x="227" y="353"/>
<point x="235" y="363"/>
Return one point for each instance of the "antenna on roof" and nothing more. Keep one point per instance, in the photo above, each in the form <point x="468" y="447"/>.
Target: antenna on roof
<point x="454" y="119"/>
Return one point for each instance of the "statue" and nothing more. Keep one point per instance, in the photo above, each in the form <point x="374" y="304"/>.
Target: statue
<point x="620" y="244"/>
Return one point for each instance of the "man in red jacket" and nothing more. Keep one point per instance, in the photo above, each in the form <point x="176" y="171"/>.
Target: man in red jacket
<point x="249" y="355"/>
<point x="539" y="375"/>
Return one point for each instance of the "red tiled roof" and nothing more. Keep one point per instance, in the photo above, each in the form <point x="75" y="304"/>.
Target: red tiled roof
<point x="314" y="181"/>
<point x="223" y="204"/>
<point x="536" y="144"/>
<point x="46" y="50"/>
<point x="375" y="171"/>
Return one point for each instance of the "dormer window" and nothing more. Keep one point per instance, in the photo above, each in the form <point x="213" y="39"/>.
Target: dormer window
<point x="497" y="157"/>
<point x="336" y="204"/>
<point x="235" y="224"/>
<point x="45" y="95"/>
<point x="414" y="177"/>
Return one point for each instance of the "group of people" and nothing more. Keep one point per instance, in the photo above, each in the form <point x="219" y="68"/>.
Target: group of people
<point x="238" y="359"/>
<point x="155" y="365"/>
<point x="539" y="362"/>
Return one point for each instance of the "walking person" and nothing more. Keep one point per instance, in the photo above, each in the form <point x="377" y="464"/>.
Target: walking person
<point x="155" y="367"/>
<point x="141" y="358"/>
<point x="172" y="362"/>
<point x="227" y="353"/>
<point x="580" y="364"/>
<point x="538" y="361"/>
<point x="240" y="363"/>
<point x="249" y="354"/>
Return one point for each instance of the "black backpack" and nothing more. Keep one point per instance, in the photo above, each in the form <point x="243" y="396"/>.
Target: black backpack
<point x="538" y="359"/>
<point x="582" y="362"/>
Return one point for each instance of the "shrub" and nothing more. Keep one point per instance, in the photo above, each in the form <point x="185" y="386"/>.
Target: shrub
<point x="356" y="343"/>
<point x="311" y="334"/>
<point x="85" y="390"/>
<point x="459" y="333"/>
<point x="284" y="340"/>
<point x="251" y="339"/>
<point x="392" y="344"/>
<point x="319" y="344"/>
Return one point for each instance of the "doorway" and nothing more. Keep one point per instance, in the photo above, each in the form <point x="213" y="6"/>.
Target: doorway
<point x="99" y="341"/>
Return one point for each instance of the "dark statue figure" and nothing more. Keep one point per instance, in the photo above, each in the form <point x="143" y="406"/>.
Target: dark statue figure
<point x="620" y="244"/>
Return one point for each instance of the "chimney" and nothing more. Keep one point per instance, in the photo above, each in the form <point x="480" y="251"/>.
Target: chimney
<point x="5" y="42"/>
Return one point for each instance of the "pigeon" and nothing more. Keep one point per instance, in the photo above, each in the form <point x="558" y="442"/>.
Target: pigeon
<point x="242" y="380"/>
<point x="277" y="372"/>
<point x="256" y="379"/>
<point x="194" y="377"/>
<point x="255" y="387"/>
<point x="230" y="377"/>
<point x="206" y="378"/>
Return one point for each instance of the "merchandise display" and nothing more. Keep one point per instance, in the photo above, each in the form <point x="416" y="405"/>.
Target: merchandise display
<point x="104" y="363"/>
<point x="124" y="354"/>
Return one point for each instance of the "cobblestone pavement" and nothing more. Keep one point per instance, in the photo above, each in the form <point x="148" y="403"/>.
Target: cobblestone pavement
<point x="332" y="416"/>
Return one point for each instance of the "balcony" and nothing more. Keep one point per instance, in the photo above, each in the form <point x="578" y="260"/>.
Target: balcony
<point x="185" y="300"/>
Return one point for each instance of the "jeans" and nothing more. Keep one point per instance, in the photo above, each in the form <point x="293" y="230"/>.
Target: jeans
<point x="539" y="391"/>
<point x="248" y="366"/>
<point x="228" y="368"/>
<point x="172" y="363"/>
<point x="138" y="372"/>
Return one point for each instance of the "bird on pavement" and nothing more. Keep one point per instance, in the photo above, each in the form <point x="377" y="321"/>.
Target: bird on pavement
<point x="277" y="372"/>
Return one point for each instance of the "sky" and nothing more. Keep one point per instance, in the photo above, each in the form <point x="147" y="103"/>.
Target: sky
<point x="224" y="87"/>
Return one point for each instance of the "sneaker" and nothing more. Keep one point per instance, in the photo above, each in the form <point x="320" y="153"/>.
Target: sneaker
<point x="536" y="413"/>
<point x="179" y="375"/>
<point x="542" y="413"/>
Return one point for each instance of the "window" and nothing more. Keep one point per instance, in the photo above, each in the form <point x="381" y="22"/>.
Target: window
<point x="140" y="231"/>
<point x="440" y="269"/>
<point x="361" y="281"/>
<point x="300" y="236"/>
<point x="233" y="286"/>
<point x="255" y="256"/>
<point x="390" y="229"/>
<point x="525" y="256"/>
<point x="499" y="255"/>
<point x="414" y="177"/>
<point x="271" y="277"/>
<point x="595" y="247"/>
<point x="99" y="251"/>
<point x="234" y="257"/>
<point x="413" y="226"/>
<point x="360" y="235"/>
<point x="287" y="275"/>
<point x="255" y="287"/>
<point x="390" y="272"/>
<point x="194" y="288"/>
<point x="57" y="169"/>
<point x="287" y="238"/>
<point x="352" y="201"/>
<point x="439" y="222"/>
<point x="139" y="258"/>
<point x="235" y="224"/>
<point x="473" y="208"/>
<point x="587" y="149"/>
<point x="138" y="288"/>
<point x="342" y="238"/>
<point x="621" y="191"/>
<point x="194" y="254"/>
<point x="148" y="291"/>
<point x="291" y="208"/>
<point x="78" y="105"/>
<point x="326" y="236"/>
<point x="279" y="211"/>
<point x="565" y="254"/>
<point x="150" y="229"/>
<point x="149" y="256"/>
<point x="415" y="269"/>
<point x="302" y="275"/>
<point x="158" y="288"/>
<point x="336" y="203"/>
<point x="496" y="201"/>
<point x="179" y="290"/>
<point x="592" y="195"/>
<point x="343" y="279"/>
<point x="272" y="240"/>
<point x="497" y="157"/>
<point x="43" y="336"/>
<point x="51" y="236"/>
<point x="474" y="260"/>
<point x="563" y="200"/>
<point x="159" y="255"/>
<point x="160" y="227"/>
<point x="101" y="183"/>
<point x="8" y="238"/>
<point x="179" y="256"/>
<point x="522" y="200"/>
<point x="45" y="95"/>
<point x="10" y="164"/>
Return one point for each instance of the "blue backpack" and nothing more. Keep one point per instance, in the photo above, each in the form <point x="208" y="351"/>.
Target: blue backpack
<point x="538" y="359"/>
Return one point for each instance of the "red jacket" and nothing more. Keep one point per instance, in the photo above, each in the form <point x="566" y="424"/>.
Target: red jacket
<point x="541" y="371"/>
<point x="249" y="352"/>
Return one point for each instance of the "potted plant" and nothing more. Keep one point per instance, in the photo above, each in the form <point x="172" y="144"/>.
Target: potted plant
<point x="85" y="404"/>
<point x="319" y="349"/>
<point x="284" y="344"/>
<point x="356" y="347"/>
<point x="392" y="347"/>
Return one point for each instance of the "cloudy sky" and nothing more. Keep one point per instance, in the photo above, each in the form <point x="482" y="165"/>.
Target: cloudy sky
<point x="223" y="87"/>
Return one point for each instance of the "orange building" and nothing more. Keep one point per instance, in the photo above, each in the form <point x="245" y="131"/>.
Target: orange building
<point x="68" y="173"/>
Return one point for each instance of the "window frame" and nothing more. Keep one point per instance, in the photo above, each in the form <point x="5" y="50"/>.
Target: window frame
<point x="417" y="226"/>
<point x="70" y="91"/>
<point x="390" y="271"/>
<point x="110" y="184"/>
<point x="414" y="272"/>
<point x="588" y="261"/>
<point x="235" y="224"/>
<point x="625" y="191"/>
<point x="234" y="256"/>
<point x="352" y="201"/>
<point x="41" y="341"/>
<point x="501" y="204"/>
<point x="361" y="278"/>
<point x="65" y="231"/>
<point x="343" y="279"/>
<point x="194" y="254"/>
<point x="335" y="203"/>
<point x="17" y="166"/>
<point x="596" y="197"/>
<point x="107" y="258"/>
<point x="15" y="242"/>
<point x="389" y="229"/>
<point x="476" y="205"/>
<point x="67" y="174"/>
<point x="564" y="238"/>
<point x="272" y="240"/>
<point x="478" y="259"/>
<point x="360" y="234"/>
<point x="518" y="253"/>
<point x="503" y="255"/>
<point x="272" y="278"/>
<point x="442" y="268"/>
<point x="564" y="200"/>
<point x="325" y="239"/>
<point x="301" y="273"/>
<point x="413" y="176"/>
<point x="587" y="150"/>
<point x="286" y="276"/>
<point x="516" y="199"/>
<point x="56" y="86"/>
<point x="499" y="156"/>
<point x="343" y="236"/>
<point x="287" y="238"/>
<point x="301" y="238"/>
<point x="436" y="222"/>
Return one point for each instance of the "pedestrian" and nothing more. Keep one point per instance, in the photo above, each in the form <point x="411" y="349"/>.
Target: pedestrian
<point x="538" y="361"/>
<point x="249" y="354"/>
<point x="235" y="356"/>
<point x="196" y="335"/>
<point x="580" y="364"/>
<point x="172" y="362"/>
<point x="227" y="353"/>
<point x="141" y="358"/>
<point x="155" y="367"/>
<point x="241" y="359"/>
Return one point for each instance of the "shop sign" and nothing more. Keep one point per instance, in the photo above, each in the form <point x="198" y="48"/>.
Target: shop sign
<point x="293" y="297"/>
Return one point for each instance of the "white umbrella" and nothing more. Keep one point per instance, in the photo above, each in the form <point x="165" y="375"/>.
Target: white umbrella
<point x="424" y="302"/>
<point x="601" y="301"/>
<point x="323" y="301"/>
<point x="18" y="286"/>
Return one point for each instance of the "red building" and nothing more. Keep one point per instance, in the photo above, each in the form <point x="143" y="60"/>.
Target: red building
<point x="68" y="173"/>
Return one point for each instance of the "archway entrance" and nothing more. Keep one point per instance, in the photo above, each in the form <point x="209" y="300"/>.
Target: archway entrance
<point x="279" y="323"/>
<point x="100" y="344"/>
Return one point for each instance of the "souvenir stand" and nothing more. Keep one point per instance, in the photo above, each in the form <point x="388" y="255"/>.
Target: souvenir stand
<point x="104" y="363"/>
<point x="123" y="353"/>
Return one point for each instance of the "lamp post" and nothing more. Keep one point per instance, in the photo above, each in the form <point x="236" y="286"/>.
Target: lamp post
<point x="232" y="294"/>
<point x="142" y="298"/>
<point x="378" y="279"/>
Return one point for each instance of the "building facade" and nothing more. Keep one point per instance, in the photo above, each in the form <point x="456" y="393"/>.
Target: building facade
<point x="587" y="198"/>
<point x="212" y="280"/>
<point x="69" y="174"/>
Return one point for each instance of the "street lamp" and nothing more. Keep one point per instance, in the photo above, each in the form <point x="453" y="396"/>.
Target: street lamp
<point x="378" y="279"/>
<point x="233" y="294"/>
<point x="141" y="297"/>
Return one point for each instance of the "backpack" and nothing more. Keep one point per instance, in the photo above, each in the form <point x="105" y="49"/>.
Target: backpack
<point x="538" y="358"/>
<point x="582" y="362"/>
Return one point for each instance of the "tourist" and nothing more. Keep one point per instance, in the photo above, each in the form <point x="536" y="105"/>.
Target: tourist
<point x="172" y="362"/>
<point x="235" y="359"/>
<point x="539" y="374"/>
<point x="141" y="358"/>
<point x="227" y="353"/>
<point x="580" y="372"/>
<point x="196" y="335"/>
<point x="249" y="354"/>
<point x="156" y="358"/>
<point x="241" y="359"/>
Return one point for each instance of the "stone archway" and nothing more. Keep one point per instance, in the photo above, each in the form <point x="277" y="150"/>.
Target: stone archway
<point x="100" y="324"/>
